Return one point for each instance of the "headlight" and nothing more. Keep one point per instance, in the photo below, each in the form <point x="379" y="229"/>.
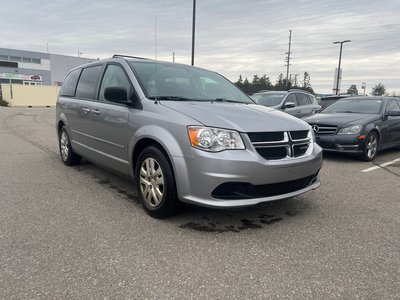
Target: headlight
<point x="351" y="130"/>
<point x="214" y="139"/>
<point x="311" y="134"/>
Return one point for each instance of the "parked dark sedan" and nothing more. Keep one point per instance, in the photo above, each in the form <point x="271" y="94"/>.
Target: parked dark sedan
<point x="358" y="125"/>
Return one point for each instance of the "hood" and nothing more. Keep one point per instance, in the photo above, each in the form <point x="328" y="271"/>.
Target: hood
<point x="341" y="119"/>
<point x="237" y="116"/>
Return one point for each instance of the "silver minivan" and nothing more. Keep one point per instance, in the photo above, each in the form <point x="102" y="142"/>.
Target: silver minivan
<point x="183" y="134"/>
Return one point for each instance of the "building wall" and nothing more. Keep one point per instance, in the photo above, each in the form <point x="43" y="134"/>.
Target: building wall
<point x="62" y="64"/>
<point x="36" y="67"/>
<point x="30" y="95"/>
<point x="31" y="67"/>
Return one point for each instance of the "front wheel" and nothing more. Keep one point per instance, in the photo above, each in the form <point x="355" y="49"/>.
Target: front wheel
<point x="370" y="147"/>
<point x="155" y="182"/>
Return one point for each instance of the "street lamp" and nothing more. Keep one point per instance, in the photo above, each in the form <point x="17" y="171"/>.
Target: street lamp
<point x="193" y="29"/>
<point x="340" y="59"/>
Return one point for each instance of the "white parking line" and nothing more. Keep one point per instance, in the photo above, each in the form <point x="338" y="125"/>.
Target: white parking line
<point x="381" y="165"/>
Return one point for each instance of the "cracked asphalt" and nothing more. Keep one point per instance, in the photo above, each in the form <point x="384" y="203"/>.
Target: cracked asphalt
<point x="80" y="233"/>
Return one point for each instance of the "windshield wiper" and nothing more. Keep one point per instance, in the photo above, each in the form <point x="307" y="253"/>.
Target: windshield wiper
<point x="345" y="111"/>
<point x="226" y="100"/>
<point x="172" y="98"/>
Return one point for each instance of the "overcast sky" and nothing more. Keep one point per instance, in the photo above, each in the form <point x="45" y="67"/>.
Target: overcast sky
<point x="233" y="37"/>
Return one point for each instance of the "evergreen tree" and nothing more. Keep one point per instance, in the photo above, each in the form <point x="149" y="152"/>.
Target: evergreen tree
<point x="378" y="90"/>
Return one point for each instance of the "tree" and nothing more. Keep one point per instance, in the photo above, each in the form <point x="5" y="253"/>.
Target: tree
<point x="246" y="86"/>
<point x="239" y="83"/>
<point x="265" y="83"/>
<point x="352" y="90"/>
<point x="378" y="90"/>
<point x="306" y="84"/>
<point x="280" y="84"/>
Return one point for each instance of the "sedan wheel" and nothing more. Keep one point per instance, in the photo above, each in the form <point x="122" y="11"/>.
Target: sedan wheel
<point x="371" y="147"/>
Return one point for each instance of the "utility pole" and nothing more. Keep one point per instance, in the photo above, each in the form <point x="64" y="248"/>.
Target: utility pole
<point x="173" y="56"/>
<point x="288" y="55"/>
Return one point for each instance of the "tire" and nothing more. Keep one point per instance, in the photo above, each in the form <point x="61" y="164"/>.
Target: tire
<point x="68" y="156"/>
<point x="155" y="181"/>
<point x="371" y="147"/>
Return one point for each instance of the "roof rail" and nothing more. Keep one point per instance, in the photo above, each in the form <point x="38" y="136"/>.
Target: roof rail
<point x="121" y="55"/>
<point x="298" y="90"/>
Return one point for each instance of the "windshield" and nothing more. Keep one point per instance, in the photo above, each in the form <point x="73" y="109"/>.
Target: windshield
<point x="270" y="99"/>
<point x="360" y="106"/>
<point x="175" y="82"/>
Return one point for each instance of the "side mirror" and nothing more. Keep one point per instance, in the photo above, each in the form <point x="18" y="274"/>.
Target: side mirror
<point x="288" y="105"/>
<point x="116" y="94"/>
<point x="393" y="113"/>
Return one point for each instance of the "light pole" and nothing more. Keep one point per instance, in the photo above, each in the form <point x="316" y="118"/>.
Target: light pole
<point x="340" y="59"/>
<point x="193" y="29"/>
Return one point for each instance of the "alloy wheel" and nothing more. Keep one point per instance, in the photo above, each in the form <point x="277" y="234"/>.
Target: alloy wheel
<point x="151" y="182"/>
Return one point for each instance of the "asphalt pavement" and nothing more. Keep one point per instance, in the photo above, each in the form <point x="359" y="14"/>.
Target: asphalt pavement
<point x="80" y="233"/>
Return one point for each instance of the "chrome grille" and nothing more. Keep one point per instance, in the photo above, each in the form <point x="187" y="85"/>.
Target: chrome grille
<point x="281" y="145"/>
<point x="324" y="129"/>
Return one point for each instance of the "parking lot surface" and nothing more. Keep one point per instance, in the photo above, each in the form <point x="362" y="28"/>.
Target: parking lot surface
<point x="79" y="232"/>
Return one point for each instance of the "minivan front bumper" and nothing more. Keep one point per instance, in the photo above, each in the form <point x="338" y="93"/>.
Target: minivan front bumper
<point x="240" y="178"/>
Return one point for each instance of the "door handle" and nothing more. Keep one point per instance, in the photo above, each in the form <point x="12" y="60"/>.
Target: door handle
<point x="86" y="110"/>
<point x="96" y="112"/>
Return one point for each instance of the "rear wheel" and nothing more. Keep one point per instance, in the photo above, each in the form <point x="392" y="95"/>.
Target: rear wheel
<point x="370" y="147"/>
<point x="68" y="156"/>
<point x="155" y="182"/>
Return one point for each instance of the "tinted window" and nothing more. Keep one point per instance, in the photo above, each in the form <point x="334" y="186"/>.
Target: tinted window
<point x="69" y="85"/>
<point x="302" y="99"/>
<point x="392" y="106"/>
<point x="87" y="85"/>
<point x="115" y="77"/>
<point x="291" y="98"/>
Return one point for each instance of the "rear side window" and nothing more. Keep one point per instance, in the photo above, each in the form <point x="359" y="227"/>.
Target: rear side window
<point x="69" y="85"/>
<point x="302" y="99"/>
<point x="87" y="85"/>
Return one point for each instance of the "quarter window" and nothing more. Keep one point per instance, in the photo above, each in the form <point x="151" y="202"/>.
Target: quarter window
<point x="87" y="85"/>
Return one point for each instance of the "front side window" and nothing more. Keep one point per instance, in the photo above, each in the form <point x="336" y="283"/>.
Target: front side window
<point x="87" y="85"/>
<point x="114" y="76"/>
<point x="392" y="106"/>
<point x="291" y="98"/>
<point x="184" y="83"/>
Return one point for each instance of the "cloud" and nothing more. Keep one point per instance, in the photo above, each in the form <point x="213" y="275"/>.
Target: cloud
<point x="233" y="37"/>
